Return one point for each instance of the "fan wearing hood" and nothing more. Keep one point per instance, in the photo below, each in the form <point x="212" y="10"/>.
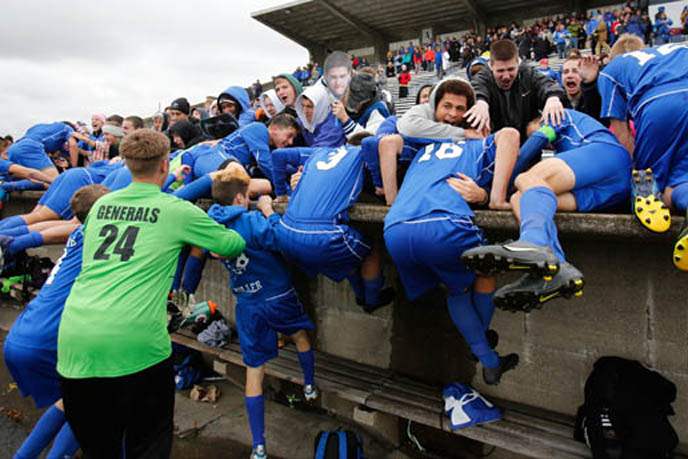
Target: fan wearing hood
<point x="364" y="111"/>
<point x="271" y="104"/>
<point x="287" y="89"/>
<point x="267" y="303"/>
<point x="235" y="101"/>
<point x="438" y="120"/>
<point x="185" y="134"/>
<point x="320" y="127"/>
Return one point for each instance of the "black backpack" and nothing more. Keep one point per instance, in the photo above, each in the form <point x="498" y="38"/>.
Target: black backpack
<point x="338" y="444"/>
<point x="626" y="410"/>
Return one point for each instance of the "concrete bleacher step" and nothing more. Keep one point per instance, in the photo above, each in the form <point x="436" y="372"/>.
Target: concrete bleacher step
<point x="524" y="430"/>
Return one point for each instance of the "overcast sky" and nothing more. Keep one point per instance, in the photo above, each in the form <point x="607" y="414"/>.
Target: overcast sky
<point x="67" y="60"/>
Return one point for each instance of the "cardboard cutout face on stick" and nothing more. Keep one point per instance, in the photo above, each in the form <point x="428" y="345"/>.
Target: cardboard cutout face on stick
<point x="338" y="72"/>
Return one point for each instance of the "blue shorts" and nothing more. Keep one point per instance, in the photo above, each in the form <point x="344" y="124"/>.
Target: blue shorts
<point x="332" y="250"/>
<point x="427" y="252"/>
<point x="258" y="323"/>
<point x="29" y="153"/>
<point x="116" y="180"/>
<point x="660" y="142"/>
<point x="34" y="371"/>
<point x="60" y="192"/>
<point x="603" y="176"/>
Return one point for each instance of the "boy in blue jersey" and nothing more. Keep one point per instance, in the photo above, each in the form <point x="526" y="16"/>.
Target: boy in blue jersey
<point x="590" y="172"/>
<point x="30" y="348"/>
<point x="430" y="225"/>
<point x="314" y="231"/>
<point x="54" y="204"/>
<point x="39" y="142"/>
<point x="650" y="87"/>
<point x="267" y="303"/>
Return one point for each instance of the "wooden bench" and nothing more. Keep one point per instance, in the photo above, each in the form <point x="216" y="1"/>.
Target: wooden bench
<point x="525" y="430"/>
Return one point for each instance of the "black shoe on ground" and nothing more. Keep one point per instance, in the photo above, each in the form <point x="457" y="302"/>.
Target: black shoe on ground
<point x="532" y="291"/>
<point x="386" y="296"/>
<point x="493" y="376"/>
<point x="512" y="256"/>
<point x="5" y="259"/>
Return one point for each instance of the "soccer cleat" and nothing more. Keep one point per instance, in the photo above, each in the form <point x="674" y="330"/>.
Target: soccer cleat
<point x="465" y="407"/>
<point x="493" y="376"/>
<point x="531" y="292"/>
<point x="259" y="452"/>
<point x="648" y="206"/>
<point x="512" y="256"/>
<point x="310" y="392"/>
<point x="681" y="248"/>
<point x="386" y="297"/>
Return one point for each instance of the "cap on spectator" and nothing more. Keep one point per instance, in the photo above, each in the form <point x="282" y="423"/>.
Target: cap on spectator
<point x="362" y="89"/>
<point x="182" y="105"/>
<point x="298" y="87"/>
<point x="544" y="62"/>
<point x="113" y="130"/>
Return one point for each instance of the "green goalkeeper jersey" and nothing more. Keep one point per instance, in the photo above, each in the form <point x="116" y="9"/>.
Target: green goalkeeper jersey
<point x="115" y="319"/>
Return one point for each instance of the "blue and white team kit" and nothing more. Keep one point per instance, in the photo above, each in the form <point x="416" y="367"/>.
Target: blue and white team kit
<point x="60" y="192"/>
<point x="314" y="232"/>
<point x="32" y="150"/>
<point x="31" y="346"/>
<point x="430" y="225"/>
<point x="266" y="300"/>
<point x="650" y="86"/>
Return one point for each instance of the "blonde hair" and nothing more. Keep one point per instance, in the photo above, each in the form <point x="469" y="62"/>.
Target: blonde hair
<point x="625" y="44"/>
<point x="230" y="182"/>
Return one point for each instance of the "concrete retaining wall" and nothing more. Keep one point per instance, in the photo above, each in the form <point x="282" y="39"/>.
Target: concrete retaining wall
<point x="635" y="305"/>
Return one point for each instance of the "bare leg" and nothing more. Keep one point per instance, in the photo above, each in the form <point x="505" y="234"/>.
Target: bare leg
<point x="372" y="264"/>
<point x="58" y="234"/>
<point x="303" y="343"/>
<point x="40" y="226"/>
<point x="40" y="214"/>
<point x="389" y="150"/>
<point x="552" y="173"/>
<point x="254" y="381"/>
<point x="508" y="141"/>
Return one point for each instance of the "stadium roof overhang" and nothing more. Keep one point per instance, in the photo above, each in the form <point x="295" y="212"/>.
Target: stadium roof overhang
<point x="349" y="24"/>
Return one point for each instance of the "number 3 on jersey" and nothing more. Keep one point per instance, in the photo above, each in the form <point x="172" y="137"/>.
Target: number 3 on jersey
<point x="124" y="245"/>
<point x="442" y="151"/>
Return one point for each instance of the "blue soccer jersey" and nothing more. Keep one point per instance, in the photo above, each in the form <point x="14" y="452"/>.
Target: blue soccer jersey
<point x="259" y="273"/>
<point x="36" y="327"/>
<point x="331" y="181"/>
<point x="634" y="79"/>
<point x="204" y="159"/>
<point x="53" y="135"/>
<point x="250" y="145"/>
<point x="425" y="189"/>
<point x="578" y="129"/>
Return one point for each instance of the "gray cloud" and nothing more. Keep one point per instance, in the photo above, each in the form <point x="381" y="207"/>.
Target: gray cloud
<point x="69" y="60"/>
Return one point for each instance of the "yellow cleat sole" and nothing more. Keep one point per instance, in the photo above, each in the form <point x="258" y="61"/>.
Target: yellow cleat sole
<point x="652" y="213"/>
<point x="681" y="253"/>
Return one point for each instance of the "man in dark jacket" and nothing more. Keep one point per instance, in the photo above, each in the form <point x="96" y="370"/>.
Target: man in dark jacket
<point x="511" y="94"/>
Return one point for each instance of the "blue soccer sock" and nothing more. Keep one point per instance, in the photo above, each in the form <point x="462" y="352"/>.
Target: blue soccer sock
<point x="467" y="320"/>
<point x="183" y="255"/>
<point x="65" y="444"/>
<point x="27" y="241"/>
<point x="11" y="222"/>
<point x="42" y="434"/>
<point x="255" y="407"/>
<point x="483" y="304"/>
<point x="18" y="230"/>
<point x="538" y="207"/>
<point x="356" y="282"/>
<point x="371" y="290"/>
<point x="679" y="197"/>
<point x="192" y="273"/>
<point x="307" y="362"/>
<point x="22" y="185"/>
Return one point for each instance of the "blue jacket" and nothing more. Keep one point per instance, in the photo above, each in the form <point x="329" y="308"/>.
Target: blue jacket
<point x="259" y="273"/>
<point x="240" y="95"/>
